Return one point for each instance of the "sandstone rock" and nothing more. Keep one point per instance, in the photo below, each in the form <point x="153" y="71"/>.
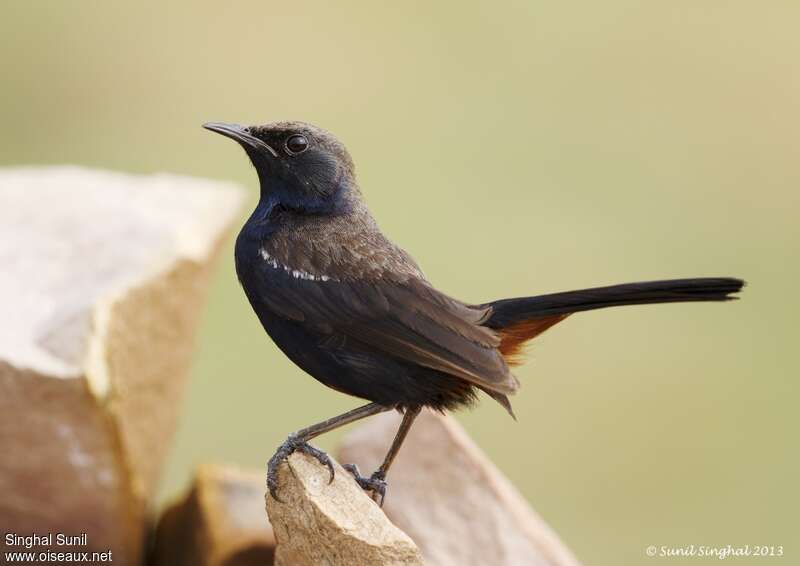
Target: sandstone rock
<point x="221" y="522"/>
<point x="103" y="276"/>
<point x="450" y="499"/>
<point x="336" y="524"/>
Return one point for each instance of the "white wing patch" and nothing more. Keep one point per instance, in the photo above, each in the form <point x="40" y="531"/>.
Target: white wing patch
<point x="296" y="273"/>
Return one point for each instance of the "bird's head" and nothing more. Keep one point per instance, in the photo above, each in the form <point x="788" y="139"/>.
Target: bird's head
<point x="300" y="166"/>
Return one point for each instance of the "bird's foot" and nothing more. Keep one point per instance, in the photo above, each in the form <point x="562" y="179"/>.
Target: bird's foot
<point x="375" y="484"/>
<point x="293" y="444"/>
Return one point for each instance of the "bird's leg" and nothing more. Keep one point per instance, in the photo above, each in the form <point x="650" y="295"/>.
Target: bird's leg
<point x="376" y="483"/>
<point x="298" y="442"/>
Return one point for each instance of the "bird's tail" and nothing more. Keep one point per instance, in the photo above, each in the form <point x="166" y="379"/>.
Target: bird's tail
<point x="519" y="320"/>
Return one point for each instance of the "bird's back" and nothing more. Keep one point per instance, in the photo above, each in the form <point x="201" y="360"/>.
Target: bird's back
<point x="338" y="289"/>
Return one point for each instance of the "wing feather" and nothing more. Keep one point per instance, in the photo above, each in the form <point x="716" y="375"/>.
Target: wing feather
<point x="408" y="319"/>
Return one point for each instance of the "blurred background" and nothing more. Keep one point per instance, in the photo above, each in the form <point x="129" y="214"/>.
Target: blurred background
<point x="513" y="148"/>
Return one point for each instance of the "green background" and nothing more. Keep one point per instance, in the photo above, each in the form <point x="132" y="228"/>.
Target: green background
<point x="513" y="148"/>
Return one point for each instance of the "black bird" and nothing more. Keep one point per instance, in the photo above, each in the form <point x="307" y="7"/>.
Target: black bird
<point x="356" y="312"/>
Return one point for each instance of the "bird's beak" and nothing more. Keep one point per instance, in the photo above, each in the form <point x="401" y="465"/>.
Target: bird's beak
<point x="241" y="134"/>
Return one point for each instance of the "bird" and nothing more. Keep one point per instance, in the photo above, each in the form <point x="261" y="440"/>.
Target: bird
<point x="355" y="311"/>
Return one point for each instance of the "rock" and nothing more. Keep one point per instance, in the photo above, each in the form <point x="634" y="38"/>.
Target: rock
<point x="332" y="524"/>
<point x="221" y="522"/>
<point x="450" y="499"/>
<point x="103" y="276"/>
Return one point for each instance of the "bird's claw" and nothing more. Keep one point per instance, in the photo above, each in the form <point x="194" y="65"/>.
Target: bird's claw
<point x="375" y="484"/>
<point x="293" y="444"/>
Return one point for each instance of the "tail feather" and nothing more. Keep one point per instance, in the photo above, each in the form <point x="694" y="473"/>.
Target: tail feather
<point x="519" y="320"/>
<point x="507" y="312"/>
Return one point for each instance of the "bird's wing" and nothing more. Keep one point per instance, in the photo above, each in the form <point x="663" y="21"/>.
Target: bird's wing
<point x="402" y="317"/>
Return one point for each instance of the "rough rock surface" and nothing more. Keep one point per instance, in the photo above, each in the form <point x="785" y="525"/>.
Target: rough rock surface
<point x="332" y="524"/>
<point x="450" y="499"/>
<point x="103" y="277"/>
<point x="221" y="522"/>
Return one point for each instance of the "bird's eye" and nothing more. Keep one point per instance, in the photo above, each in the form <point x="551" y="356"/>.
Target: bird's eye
<point x="297" y="144"/>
